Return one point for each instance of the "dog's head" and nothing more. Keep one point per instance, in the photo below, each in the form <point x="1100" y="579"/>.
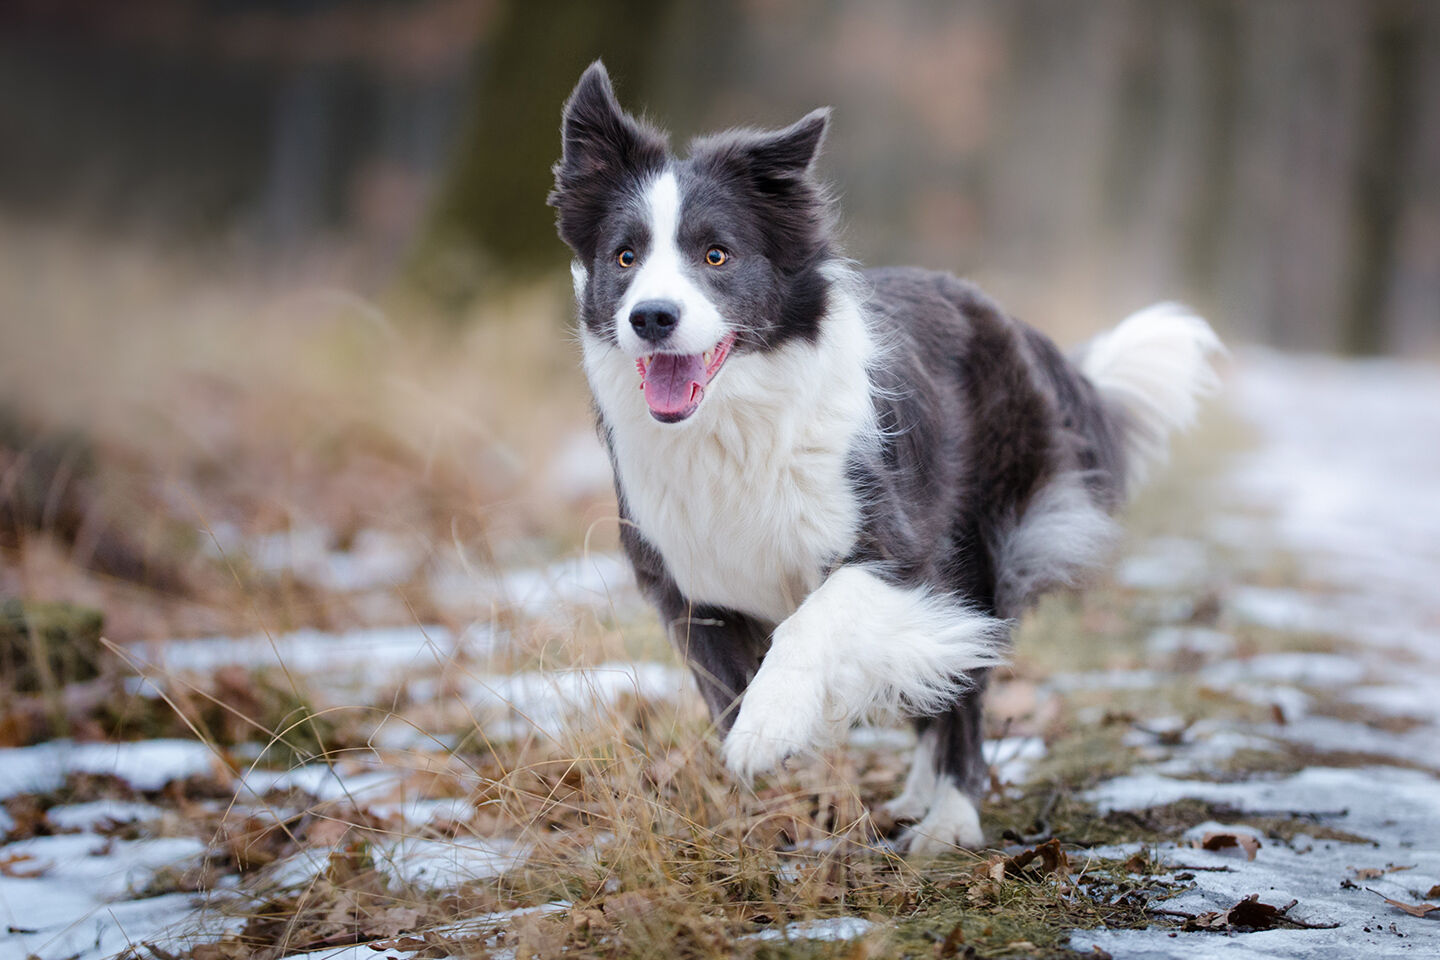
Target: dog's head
<point x="683" y="264"/>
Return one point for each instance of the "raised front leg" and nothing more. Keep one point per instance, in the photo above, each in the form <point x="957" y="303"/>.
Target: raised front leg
<point x="858" y="643"/>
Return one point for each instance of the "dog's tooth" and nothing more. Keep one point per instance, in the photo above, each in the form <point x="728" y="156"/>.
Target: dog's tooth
<point x="708" y="355"/>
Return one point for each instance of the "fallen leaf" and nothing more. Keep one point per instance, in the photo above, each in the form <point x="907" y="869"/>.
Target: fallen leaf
<point x="992" y="869"/>
<point x="10" y="867"/>
<point x="1250" y="914"/>
<point x="1433" y="892"/>
<point x="628" y="906"/>
<point x="1225" y="841"/>
<point x="1053" y="861"/>
<point x="397" y="920"/>
<point x="1370" y="873"/>
<point x="950" y="946"/>
<point x="589" y="919"/>
<point x="403" y="944"/>
<point x="1414" y="909"/>
<point x="1138" y="862"/>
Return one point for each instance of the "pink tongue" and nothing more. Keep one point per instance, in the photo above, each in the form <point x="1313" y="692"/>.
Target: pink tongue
<point x="671" y="381"/>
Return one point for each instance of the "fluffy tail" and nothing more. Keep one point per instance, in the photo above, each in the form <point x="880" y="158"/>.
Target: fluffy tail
<point x="1156" y="365"/>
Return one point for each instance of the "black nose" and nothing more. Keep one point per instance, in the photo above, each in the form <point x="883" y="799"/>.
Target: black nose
<point x="654" y="319"/>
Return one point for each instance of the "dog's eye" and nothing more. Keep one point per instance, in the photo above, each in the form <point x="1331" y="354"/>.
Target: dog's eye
<point x="715" y="256"/>
<point x="626" y="258"/>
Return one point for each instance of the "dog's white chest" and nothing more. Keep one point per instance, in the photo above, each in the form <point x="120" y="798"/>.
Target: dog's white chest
<point x="750" y="500"/>
<point x="749" y="528"/>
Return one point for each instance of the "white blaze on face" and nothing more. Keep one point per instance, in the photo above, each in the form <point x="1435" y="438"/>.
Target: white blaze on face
<point x="663" y="273"/>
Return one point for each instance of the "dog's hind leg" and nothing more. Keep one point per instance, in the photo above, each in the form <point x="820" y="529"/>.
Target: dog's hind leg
<point x="961" y="775"/>
<point x="914" y="799"/>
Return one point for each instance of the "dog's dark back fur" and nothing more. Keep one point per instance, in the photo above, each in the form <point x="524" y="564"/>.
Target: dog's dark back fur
<point x="978" y="412"/>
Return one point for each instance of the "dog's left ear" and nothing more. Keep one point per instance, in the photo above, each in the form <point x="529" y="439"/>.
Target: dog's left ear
<point x="787" y="155"/>
<point x="601" y="147"/>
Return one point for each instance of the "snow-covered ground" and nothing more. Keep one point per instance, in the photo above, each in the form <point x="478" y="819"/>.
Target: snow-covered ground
<point x="1342" y="482"/>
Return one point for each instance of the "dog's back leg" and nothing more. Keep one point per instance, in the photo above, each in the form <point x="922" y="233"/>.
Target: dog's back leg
<point x="950" y="762"/>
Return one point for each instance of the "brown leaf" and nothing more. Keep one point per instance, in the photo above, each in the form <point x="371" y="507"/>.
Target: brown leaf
<point x="992" y="869"/>
<point x="538" y="937"/>
<point x="1250" y="914"/>
<point x="403" y="944"/>
<point x="1053" y="861"/>
<point x="397" y="920"/>
<point x="1433" y="892"/>
<point x="628" y="906"/>
<point x="1138" y="862"/>
<point x="589" y="919"/>
<point x="1253" y="914"/>
<point x="1370" y="873"/>
<point x="1414" y="909"/>
<point x="950" y="946"/>
<point x="9" y="867"/>
<point x="1226" y="841"/>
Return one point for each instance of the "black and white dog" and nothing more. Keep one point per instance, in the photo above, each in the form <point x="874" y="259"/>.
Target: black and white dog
<point x="839" y="487"/>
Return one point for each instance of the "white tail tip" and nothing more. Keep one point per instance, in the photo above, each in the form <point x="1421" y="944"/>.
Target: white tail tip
<point x="1157" y="364"/>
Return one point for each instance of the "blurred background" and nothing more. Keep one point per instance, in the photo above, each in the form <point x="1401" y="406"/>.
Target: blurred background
<point x="279" y="290"/>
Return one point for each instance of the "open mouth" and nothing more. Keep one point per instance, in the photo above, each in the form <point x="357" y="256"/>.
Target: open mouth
<point x="674" y="384"/>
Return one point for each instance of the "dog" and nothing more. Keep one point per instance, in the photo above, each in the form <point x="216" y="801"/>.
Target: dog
<point x="839" y="487"/>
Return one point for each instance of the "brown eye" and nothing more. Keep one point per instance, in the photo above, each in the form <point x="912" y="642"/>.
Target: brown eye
<point x="626" y="258"/>
<point x="715" y="256"/>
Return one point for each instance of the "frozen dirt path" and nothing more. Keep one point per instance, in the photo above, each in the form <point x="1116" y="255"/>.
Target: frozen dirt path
<point x="1340" y="488"/>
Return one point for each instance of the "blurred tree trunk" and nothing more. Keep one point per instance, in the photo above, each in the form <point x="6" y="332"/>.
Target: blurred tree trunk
<point x="1388" y="112"/>
<point x="1218" y="28"/>
<point x="489" y="220"/>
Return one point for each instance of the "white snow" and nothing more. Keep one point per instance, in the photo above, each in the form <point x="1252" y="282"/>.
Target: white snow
<point x="836" y="928"/>
<point x="78" y="904"/>
<point x="1347" y="468"/>
<point x="549" y="700"/>
<point x="146" y="765"/>
<point x="92" y="815"/>
<point x="362" y="661"/>
<point x="1397" y="809"/>
<point x="1165" y="563"/>
<point x="592" y="581"/>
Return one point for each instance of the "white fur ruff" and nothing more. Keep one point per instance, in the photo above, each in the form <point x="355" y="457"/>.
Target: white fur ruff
<point x="748" y="500"/>
<point x="857" y="645"/>
<point x="1156" y="364"/>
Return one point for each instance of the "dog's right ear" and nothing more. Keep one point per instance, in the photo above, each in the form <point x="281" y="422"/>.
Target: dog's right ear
<point x="602" y="146"/>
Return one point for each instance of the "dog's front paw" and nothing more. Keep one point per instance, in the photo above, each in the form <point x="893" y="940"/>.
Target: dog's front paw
<point x="781" y="715"/>
<point x="951" y="822"/>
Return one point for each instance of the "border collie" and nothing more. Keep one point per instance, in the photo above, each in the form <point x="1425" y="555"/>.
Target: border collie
<point x="839" y="487"/>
